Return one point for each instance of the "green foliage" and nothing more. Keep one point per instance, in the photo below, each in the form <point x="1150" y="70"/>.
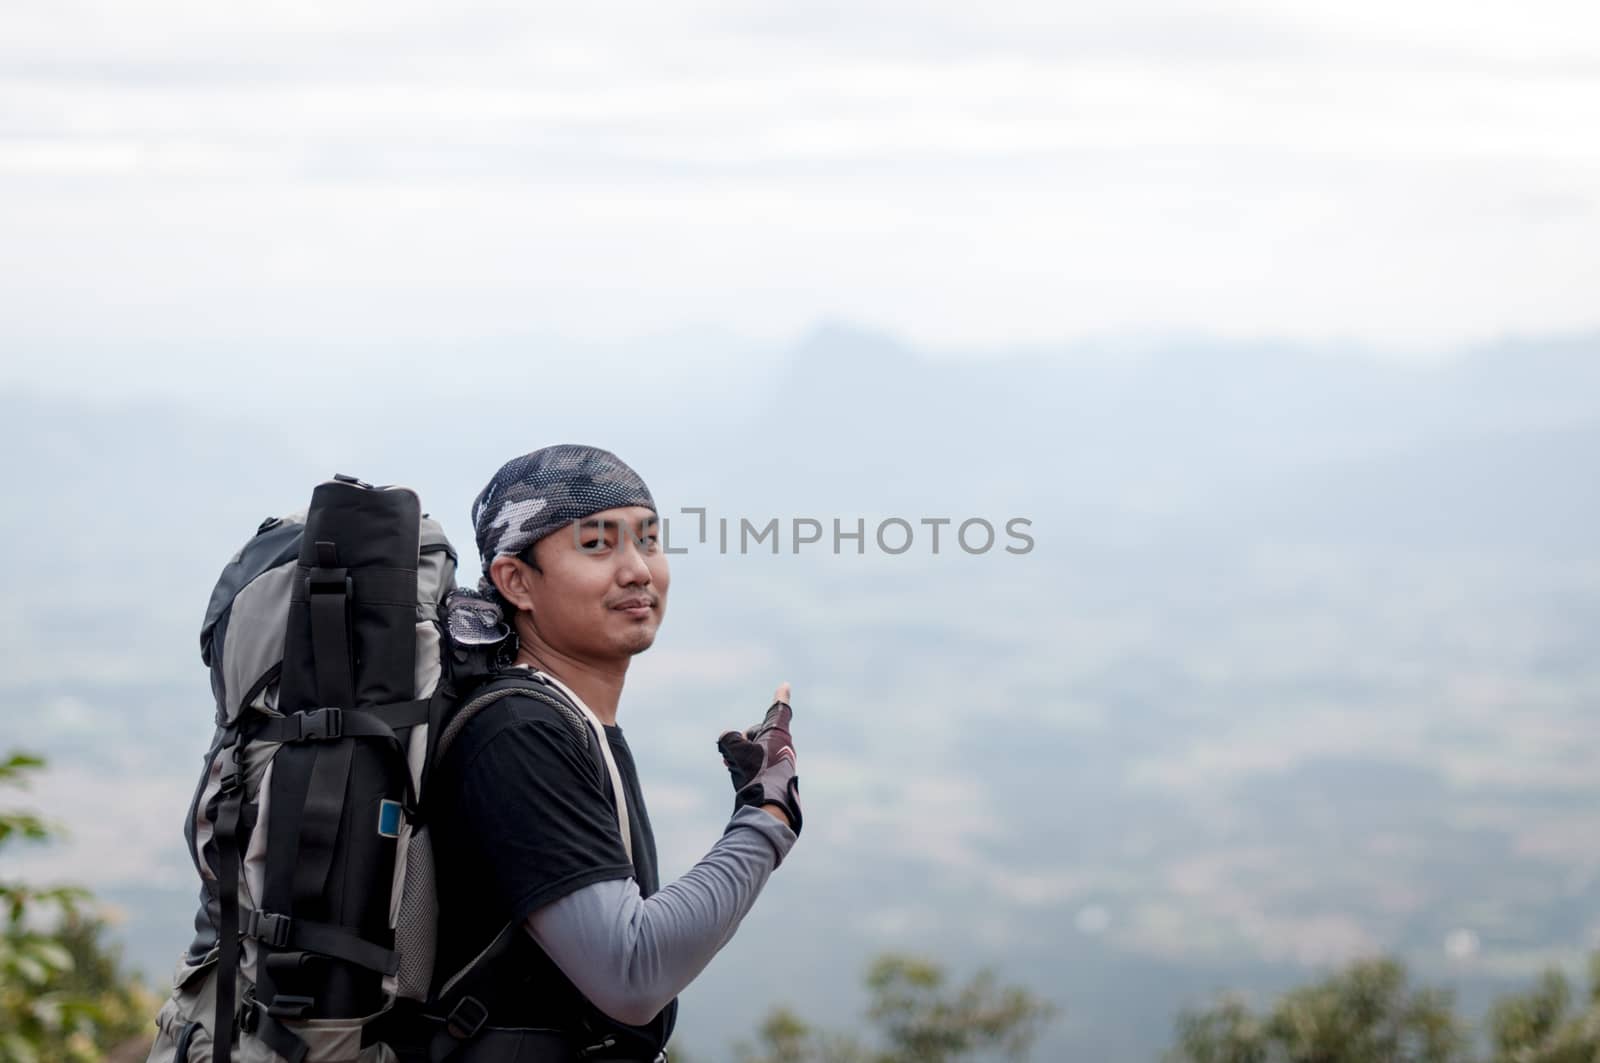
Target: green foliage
<point x="918" y="1019"/>
<point x="1537" y="1027"/>
<point x="63" y="996"/>
<point x="1226" y="1034"/>
<point x="785" y="1038"/>
<point x="23" y="824"/>
<point x="1367" y="1014"/>
<point x="1364" y="1014"/>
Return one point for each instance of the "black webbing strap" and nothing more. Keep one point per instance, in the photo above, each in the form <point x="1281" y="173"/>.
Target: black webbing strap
<point x="226" y="831"/>
<point x="282" y="932"/>
<point x="331" y="724"/>
<point x="459" y="1027"/>
<point x="403" y="714"/>
<point x="371" y="584"/>
<point x="277" y="1037"/>
<point x="329" y="590"/>
<point x="316" y="725"/>
<point x="437" y="705"/>
<point x="319" y="819"/>
<point x="468" y="1014"/>
<point x="529" y="1045"/>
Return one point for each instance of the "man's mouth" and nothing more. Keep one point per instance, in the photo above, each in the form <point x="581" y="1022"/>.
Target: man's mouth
<point x="634" y="606"/>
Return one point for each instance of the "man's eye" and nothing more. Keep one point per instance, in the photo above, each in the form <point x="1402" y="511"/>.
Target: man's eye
<point x="593" y="544"/>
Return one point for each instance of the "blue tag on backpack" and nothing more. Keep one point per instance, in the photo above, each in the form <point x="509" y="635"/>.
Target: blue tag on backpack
<point x="389" y="819"/>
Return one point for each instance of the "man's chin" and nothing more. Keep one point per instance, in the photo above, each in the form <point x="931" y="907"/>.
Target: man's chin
<point x="638" y="640"/>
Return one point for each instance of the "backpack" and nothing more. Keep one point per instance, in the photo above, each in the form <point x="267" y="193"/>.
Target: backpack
<point x="337" y="690"/>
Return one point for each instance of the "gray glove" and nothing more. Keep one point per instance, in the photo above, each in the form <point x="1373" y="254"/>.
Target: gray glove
<point x="762" y="765"/>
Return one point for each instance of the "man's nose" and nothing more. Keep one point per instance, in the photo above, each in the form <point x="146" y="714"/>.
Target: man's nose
<point x="632" y="568"/>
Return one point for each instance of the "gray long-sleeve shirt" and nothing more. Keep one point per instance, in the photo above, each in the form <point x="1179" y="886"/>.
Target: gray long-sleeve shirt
<point x="630" y="955"/>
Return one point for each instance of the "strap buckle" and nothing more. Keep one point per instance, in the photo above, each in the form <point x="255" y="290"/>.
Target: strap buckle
<point x="231" y="780"/>
<point x="287" y="1007"/>
<point x="249" y="1015"/>
<point x="269" y="928"/>
<point x="596" y="1048"/>
<point x="322" y="580"/>
<point x="320" y="724"/>
<point x="466" y="1018"/>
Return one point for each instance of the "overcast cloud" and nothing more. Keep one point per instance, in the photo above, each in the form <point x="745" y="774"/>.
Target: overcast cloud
<point x="1410" y="176"/>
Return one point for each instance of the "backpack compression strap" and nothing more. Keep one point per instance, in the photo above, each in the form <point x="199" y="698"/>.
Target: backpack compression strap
<point x="308" y="726"/>
<point x="226" y="831"/>
<point x="329" y="591"/>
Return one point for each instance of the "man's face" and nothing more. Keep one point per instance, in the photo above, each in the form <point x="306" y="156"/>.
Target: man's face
<point x="601" y="587"/>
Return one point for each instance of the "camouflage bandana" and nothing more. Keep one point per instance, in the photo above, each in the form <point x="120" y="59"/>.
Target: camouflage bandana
<point x="528" y="499"/>
<point x="545" y="491"/>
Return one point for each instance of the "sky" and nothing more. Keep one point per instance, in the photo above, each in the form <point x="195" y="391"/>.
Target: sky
<point x="1406" y="176"/>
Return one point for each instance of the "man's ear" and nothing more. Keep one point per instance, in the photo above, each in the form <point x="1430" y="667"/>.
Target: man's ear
<point x="510" y="577"/>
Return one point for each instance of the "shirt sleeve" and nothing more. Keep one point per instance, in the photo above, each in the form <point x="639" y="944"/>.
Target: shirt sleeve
<point x="539" y="814"/>
<point x="630" y="955"/>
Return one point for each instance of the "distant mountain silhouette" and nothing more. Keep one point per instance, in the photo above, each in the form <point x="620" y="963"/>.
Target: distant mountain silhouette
<point x="858" y="414"/>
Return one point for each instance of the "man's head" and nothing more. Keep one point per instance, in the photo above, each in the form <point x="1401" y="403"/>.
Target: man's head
<point x="568" y="539"/>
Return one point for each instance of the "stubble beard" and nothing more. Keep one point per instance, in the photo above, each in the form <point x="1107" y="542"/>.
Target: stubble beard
<point x="639" y="641"/>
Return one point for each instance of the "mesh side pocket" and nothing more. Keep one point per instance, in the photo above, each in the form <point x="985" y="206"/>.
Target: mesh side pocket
<point x="416" y="930"/>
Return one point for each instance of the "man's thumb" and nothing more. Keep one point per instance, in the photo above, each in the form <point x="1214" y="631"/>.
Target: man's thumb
<point x="743" y="757"/>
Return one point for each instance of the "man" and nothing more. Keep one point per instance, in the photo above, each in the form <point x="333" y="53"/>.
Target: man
<point x="534" y="828"/>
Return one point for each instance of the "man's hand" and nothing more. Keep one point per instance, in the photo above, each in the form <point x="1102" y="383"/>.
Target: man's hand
<point x="761" y="761"/>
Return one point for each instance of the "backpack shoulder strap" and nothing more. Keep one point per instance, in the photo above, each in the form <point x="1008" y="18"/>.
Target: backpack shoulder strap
<point x="469" y="1013"/>
<point x="619" y="799"/>
<point x="501" y="687"/>
<point x="582" y="723"/>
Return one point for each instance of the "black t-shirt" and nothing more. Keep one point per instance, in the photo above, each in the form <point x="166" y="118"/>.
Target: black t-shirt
<point x="523" y="817"/>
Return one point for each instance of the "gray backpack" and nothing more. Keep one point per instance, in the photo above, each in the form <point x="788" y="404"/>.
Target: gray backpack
<point x="337" y="689"/>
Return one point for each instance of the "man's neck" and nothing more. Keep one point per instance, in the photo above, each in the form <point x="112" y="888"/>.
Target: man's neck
<point x="599" y="685"/>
